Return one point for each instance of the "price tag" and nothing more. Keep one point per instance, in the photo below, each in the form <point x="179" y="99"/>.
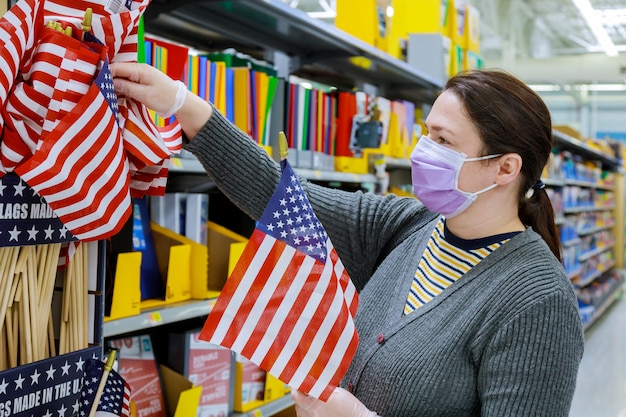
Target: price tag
<point x="155" y="318"/>
<point x="176" y="162"/>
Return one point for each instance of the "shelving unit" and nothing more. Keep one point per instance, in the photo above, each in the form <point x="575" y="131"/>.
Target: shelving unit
<point x="295" y="43"/>
<point x="601" y="262"/>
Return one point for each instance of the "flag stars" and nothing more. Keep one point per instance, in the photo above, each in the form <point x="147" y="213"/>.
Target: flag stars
<point x="3" y="386"/>
<point x="32" y="233"/>
<point x="276" y="214"/>
<point x="19" y="189"/>
<point x="66" y="369"/>
<point x="35" y="377"/>
<point x="79" y="364"/>
<point x="2" y="187"/>
<point x="62" y="410"/>
<point x="50" y="373"/>
<point x="19" y="381"/>
<point x="283" y="202"/>
<point x="15" y="234"/>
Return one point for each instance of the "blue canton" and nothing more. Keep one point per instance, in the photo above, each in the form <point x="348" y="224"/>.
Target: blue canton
<point x="104" y="81"/>
<point x="289" y="217"/>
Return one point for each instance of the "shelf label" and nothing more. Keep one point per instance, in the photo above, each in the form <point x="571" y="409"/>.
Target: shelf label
<point x="176" y="162"/>
<point x="155" y="318"/>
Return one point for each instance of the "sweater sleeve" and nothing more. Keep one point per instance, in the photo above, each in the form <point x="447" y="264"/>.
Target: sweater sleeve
<point x="360" y="225"/>
<point x="530" y="366"/>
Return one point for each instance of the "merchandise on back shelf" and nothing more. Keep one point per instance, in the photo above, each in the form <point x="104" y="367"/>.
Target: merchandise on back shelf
<point x="207" y="365"/>
<point x="137" y="365"/>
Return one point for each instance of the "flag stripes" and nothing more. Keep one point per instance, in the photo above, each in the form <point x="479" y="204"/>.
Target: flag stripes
<point x="101" y="204"/>
<point x="287" y="306"/>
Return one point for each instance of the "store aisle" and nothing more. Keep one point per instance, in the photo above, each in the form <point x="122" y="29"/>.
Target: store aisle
<point x="601" y="387"/>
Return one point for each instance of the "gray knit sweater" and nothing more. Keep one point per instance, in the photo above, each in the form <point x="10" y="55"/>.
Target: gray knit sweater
<point x="504" y="340"/>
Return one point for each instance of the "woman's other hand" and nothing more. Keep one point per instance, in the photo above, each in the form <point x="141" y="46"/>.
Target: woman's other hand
<point x="340" y="404"/>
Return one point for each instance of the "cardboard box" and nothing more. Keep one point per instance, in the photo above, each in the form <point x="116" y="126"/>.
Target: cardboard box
<point x="206" y="365"/>
<point x="137" y="366"/>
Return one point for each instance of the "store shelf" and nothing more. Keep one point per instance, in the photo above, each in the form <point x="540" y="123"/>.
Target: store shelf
<point x="314" y="49"/>
<point x="158" y="317"/>
<point x="269" y="409"/>
<point x="604" y="306"/>
<point x="590" y="254"/>
<point x="193" y="166"/>
<point x="592" y="230"/>
<point x="567" y="142"/>
<point x="584" y="281"/>
<point x="553" y="182"/>
<point x="572" y="210"/>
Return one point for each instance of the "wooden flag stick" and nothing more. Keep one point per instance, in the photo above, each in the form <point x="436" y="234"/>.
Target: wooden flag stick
<point x="25" y="322"/>
<point x="7" y="294"/>
<point x="51" y="341"/>
<point x="11" y="345"/>
<point x="4" y="353"/>
<point x="14" y="351"/>
<point x="85" y="315"/>
<point x="47" y="289"/>
<point x="33" y="314"/>
<point x="105" y="375"/>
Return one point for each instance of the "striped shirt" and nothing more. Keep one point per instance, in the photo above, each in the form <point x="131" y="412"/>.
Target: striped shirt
<point x="446" y="259"/>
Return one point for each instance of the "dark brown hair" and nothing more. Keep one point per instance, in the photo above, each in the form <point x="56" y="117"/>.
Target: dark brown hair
<point x="512" y="118"/>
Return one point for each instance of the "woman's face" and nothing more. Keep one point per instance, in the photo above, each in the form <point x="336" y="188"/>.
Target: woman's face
<point x="449" y="126"/>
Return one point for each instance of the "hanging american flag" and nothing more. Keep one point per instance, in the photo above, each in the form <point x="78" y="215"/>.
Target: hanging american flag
<point x="100" y="204"/>
<point x="288" y="305"/>
<point x="115" y="399"/>
<point x="50" y="85"/>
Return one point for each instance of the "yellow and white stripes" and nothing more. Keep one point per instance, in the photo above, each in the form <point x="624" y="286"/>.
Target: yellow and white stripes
<point x="442" y="263"/>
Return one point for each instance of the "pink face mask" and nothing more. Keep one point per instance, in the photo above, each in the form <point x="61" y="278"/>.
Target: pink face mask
<point x="435" y="176"/>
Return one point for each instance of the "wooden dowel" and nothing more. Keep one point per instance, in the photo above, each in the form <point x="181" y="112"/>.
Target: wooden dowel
<point x="4" y="354"/>
<point x="26" y="328"/>
<point x="13" y="358"/>
<point x="51" y="341"/>
<point x="33" y="311"/>
<point x="9" y="257"/>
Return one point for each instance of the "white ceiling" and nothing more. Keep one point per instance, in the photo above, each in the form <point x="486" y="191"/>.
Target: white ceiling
<point x="539" y="40"/>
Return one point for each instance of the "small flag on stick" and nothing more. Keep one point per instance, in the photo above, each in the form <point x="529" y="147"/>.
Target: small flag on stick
<point x="104" y="392"/>
<point x="289" y="304"/>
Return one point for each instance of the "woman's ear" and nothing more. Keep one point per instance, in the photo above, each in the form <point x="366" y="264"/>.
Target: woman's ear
<point x="510" y="167"/>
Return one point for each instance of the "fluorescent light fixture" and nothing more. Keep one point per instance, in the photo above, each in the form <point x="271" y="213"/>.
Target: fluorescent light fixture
<point x="544" y="87"/>
<point x="592" y="17"/>
<point x="601" y="87"/>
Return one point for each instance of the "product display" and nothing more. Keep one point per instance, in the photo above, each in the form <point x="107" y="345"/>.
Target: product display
<point x="109" y="238"/>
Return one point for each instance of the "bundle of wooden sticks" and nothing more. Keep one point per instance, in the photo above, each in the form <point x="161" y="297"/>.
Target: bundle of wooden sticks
<point x="29" y="280"/>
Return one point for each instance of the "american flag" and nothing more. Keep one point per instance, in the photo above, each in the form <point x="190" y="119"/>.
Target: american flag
<point x="115" y="399"/>
<point x="86" y="144"/>
<point x="289" y="304"/>
<point x="54" y="101"/>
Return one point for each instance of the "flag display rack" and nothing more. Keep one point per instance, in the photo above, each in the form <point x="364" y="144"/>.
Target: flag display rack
<point x="182" y="261"/>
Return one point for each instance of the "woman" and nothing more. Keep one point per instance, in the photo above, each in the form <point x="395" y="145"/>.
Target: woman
<point x="464" y="308"/>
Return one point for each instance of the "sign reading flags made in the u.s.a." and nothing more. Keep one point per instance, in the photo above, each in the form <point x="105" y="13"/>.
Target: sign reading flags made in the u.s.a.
<point x="48" y="388"/>
<point x="25" y="217"/>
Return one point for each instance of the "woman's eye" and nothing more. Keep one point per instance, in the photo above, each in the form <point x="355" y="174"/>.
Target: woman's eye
<point x="442" y="141"/>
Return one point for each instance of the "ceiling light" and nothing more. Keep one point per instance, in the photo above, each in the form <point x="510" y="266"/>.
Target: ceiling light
<point x="544" y="87"/>
<point x="592" y="17"/>
<point x="601" y="87"/>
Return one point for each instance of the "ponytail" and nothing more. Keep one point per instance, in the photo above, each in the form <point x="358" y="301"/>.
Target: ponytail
<point x="537" y="212"/>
